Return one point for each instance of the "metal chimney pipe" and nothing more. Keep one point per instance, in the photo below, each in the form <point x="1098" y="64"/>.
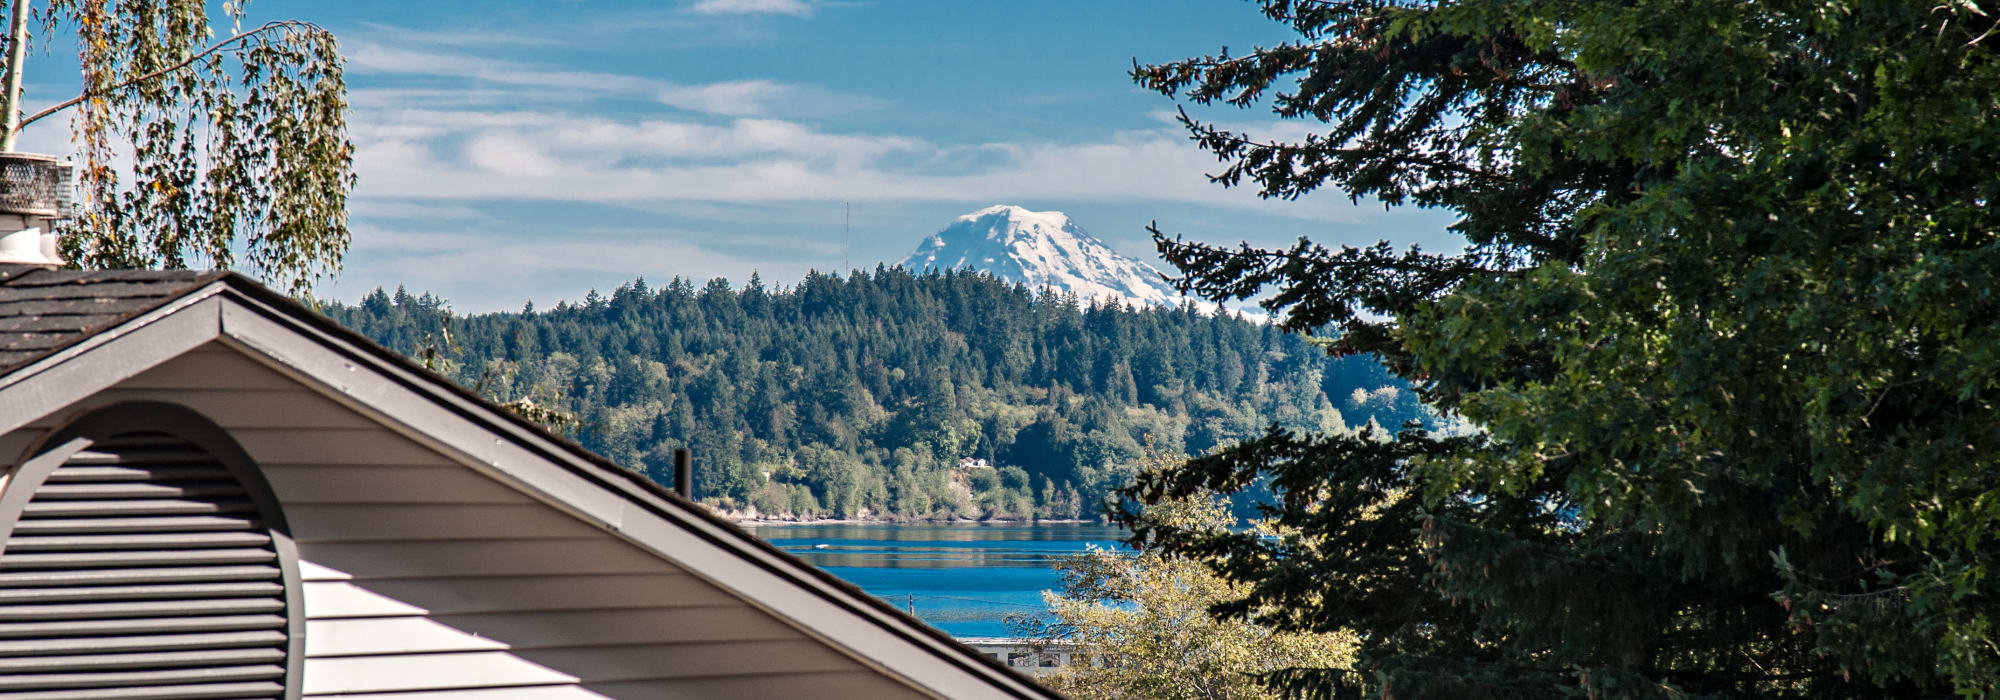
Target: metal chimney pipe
<point x="684" y="473"/>
<point x="34" y="195"/>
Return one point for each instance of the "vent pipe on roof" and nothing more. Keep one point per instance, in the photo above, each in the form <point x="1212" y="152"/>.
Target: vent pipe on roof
<point x="684" y="473"/>
<point x="34" y="195"/>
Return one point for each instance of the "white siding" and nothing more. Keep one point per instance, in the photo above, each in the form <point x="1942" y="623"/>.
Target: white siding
<point x="427" y="579"/>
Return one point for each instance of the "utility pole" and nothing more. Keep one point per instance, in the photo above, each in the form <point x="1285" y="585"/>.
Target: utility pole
<point x="846" y="239"/>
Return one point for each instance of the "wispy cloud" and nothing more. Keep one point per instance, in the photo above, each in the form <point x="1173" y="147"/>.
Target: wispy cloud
<point x="502" y="269"/>
<point x="797" y="8"/>
<point x="460" y="37"/>
<point x="371" y="57"/>
<point x="517" y="130"/>
<point x="492" y="177"/>
<point x="379" y="208"/>
<point x="566" y="156"/>
<point x="529" y="83"/>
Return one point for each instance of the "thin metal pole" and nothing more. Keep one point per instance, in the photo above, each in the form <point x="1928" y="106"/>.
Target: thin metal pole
<point x="847" y="239"/>
<point x="17" y="52"/>
<point x="684" y="473"/>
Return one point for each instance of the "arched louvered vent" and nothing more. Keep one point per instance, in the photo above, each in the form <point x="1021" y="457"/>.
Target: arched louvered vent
<point x="142" y="567"/>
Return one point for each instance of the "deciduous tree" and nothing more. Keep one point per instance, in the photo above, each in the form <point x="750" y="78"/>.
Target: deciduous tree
<point x="194" y="151"/>
<point x="1140" y="627"/>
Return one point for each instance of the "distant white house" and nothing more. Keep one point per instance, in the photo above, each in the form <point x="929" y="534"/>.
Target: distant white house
<point x="210" y="491"/>
<point x="974" y="463"/>
<point x="1031" y="657"/>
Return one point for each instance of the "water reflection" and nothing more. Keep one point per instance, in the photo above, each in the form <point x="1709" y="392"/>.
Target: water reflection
<point x="962" y="578"/>
<point x="936" y="546"/>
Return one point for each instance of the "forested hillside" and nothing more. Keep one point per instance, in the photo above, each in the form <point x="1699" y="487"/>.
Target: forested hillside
<point x="862" y="396"/>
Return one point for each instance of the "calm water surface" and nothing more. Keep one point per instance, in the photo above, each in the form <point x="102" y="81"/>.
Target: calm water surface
<point x="963" y="578"/>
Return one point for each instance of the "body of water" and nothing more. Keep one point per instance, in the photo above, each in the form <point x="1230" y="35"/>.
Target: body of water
<point x="963" y="578"/>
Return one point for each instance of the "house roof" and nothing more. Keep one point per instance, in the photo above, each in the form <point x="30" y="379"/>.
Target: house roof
<point x="50" y="317"/>
<point x="43" y="311"/>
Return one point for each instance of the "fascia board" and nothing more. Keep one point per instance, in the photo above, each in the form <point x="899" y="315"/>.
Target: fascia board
<point x="415" y="405"/>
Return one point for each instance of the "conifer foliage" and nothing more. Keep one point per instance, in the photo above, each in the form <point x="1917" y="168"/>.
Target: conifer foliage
<point x="1726" y="318"/>
<point x="866" y="395"/>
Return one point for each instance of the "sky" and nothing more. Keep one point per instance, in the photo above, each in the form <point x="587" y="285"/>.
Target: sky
<point x="517" y="150"/>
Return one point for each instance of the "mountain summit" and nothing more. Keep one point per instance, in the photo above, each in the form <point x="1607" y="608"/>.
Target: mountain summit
<point x="1041" y="249"/>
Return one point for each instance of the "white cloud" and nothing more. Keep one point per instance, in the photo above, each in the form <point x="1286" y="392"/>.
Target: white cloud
<point x="564" y="156"/>
<point x="489" y="179"/>
<point x="461" y="37"/>
<point x="526" y="82"/>
<point x="501" y="270"/>
<point x="741" y="97"/>
<point x="368" y="57"/>
<point x="530" y="132"/>
<point x="425" y="211"/>
<point x="798" y="8"/>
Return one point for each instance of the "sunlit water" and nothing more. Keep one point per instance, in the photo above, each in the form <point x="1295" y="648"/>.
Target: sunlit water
<point x="962" y="578"/>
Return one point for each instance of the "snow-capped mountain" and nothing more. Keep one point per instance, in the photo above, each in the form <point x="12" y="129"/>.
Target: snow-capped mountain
<point x="1041" y="248"/>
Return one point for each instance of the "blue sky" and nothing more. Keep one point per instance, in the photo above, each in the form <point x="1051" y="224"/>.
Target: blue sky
<point x="535" y="150"/>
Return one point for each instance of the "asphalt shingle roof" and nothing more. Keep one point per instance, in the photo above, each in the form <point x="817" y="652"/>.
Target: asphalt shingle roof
<point x="43" y="310"/>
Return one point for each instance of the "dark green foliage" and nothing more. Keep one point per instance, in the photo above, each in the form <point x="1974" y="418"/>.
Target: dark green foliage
<point x="843" y="397"/>
<point x="1727" y="319"/>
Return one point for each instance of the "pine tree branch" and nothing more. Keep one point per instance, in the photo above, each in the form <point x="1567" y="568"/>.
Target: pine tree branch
<point x="1207" y="134"/>
<point x="204" y="53"/>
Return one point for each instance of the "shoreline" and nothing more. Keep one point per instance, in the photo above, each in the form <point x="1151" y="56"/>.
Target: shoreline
<point x="767" y="522"/>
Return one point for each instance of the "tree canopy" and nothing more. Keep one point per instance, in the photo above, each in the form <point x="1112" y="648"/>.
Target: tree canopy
<point x="1725" y="318"/>
<point x="860" y="395"/>
<point x="197" y="151"/>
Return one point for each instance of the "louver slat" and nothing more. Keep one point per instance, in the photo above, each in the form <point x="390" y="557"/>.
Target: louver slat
<point x="171" y="591"/>
<point x="127" y="454"/>
<point x="140" y="569"/>
<point x="76" y="560"/>
<point x="148" y="473"/>
<point x="217" y="657"/>
<point x="193" y="523"/>
<point x="113" y="489"/>
<point x="32" y="681"/>
<point x="119" y="576"/>
<point x="86" y="645"/>
<point x="123" y="508"/>
<point x="205" y="691"/>
<point x="176" y="540"/>
<point x="143" y="608"/>
<point x="72" y="628"/>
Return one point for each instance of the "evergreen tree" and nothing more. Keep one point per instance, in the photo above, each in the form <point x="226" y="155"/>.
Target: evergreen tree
<point x="862" y="393"/>
<point x="1725" y="319"/>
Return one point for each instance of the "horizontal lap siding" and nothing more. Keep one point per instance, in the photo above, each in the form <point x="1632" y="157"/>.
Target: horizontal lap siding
<point x="448" y="595"/>
<point x="845" y="684"/>
<point x="346" y="522"/>
<point x="426" y="579"/>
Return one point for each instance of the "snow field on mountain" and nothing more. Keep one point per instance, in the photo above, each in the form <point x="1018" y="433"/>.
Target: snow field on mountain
<point x="1042" y="249"/>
